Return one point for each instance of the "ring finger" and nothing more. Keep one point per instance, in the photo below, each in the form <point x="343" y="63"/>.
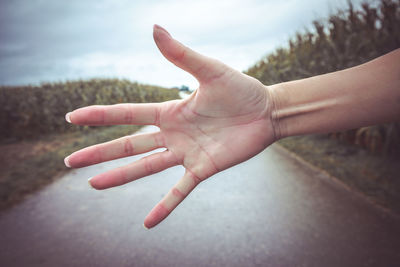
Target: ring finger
<point x="145" y="166"/>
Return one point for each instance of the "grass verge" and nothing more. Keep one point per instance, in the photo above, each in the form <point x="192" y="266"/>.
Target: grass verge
<point x="27" y="166"/>
<point x="375" y="176"/>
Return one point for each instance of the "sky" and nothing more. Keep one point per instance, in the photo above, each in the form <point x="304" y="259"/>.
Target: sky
<point x="54" y="41"/>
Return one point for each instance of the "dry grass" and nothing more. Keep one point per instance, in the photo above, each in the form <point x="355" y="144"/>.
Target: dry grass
<point x="27" y="166"/>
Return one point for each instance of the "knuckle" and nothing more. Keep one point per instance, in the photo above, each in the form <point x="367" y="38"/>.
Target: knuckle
<point x="128" y="117"/>
<point x="176" y="192"/>
<point x="148" y="166"/>
<point x="128" y="147"/>
<point x="180" y="57"/>
<point x="157" y="116"/>
<point x="159" y="140"/>
<point x="196" y="179"/>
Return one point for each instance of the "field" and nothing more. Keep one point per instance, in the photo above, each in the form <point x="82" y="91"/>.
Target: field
<point x="347" y="38"/>
<point x="35" y="137"/>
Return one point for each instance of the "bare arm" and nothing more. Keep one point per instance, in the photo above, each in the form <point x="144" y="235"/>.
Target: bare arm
<point x="360" y="96"/>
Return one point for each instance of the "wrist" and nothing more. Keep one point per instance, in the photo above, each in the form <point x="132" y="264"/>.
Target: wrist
<point x="301" y="107"/>
<point x="275" y="96"/>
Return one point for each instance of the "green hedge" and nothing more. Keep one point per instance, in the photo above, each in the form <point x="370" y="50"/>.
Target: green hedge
<point x="32" y="111"/>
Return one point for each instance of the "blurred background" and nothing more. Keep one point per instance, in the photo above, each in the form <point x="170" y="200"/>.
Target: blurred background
<point x="47" y="41"/>
<point x="56" y="56"/>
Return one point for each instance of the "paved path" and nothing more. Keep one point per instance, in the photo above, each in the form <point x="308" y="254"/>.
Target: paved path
<point x="268" y="211"/>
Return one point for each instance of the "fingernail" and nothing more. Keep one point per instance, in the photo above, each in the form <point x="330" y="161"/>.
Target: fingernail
<point x="146" y="227"/>
<point x="68" y="117"/>
<point x="66" y="162"/>
<point x="158" y="27"/>
<point x="89" y="182"/>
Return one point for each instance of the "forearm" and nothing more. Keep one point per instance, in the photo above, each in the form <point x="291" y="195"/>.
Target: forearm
<point x="360" y="96"/>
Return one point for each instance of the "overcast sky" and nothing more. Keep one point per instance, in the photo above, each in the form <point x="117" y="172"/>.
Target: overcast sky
<point x="47" y="40"/>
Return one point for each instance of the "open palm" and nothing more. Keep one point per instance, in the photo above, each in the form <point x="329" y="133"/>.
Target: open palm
<point x="224" y="122"/>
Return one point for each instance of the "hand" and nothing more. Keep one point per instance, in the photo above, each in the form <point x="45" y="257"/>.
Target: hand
<point x="224" y="122"/>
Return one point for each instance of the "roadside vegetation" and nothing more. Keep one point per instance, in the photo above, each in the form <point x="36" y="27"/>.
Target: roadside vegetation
<point x="32" y="111"/>
<point x="347" y="38"/>
<point x="35" y="138"/>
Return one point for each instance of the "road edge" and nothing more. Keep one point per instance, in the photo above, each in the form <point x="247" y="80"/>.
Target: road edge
<point x="334" y="181"/>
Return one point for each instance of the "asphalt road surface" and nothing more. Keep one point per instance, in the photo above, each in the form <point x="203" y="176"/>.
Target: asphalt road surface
<point x="269" y="211"/>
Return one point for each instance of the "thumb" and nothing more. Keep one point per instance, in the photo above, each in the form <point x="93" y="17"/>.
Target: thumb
<point x="201" y="67"/>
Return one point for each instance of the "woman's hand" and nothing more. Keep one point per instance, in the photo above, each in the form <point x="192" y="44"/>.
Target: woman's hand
<point x="224" y="122"/>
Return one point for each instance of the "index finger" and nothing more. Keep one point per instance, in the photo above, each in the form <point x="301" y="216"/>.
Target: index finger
<point x="139" y="114"/>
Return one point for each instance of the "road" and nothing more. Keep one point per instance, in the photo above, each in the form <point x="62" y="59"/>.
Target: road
<point x="271" y="210"/>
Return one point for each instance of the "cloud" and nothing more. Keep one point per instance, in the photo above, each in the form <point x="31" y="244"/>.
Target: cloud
<point x="44" y="40"/>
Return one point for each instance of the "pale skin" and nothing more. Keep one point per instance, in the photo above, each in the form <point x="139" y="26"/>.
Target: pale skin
<point x="231" y="117"/>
